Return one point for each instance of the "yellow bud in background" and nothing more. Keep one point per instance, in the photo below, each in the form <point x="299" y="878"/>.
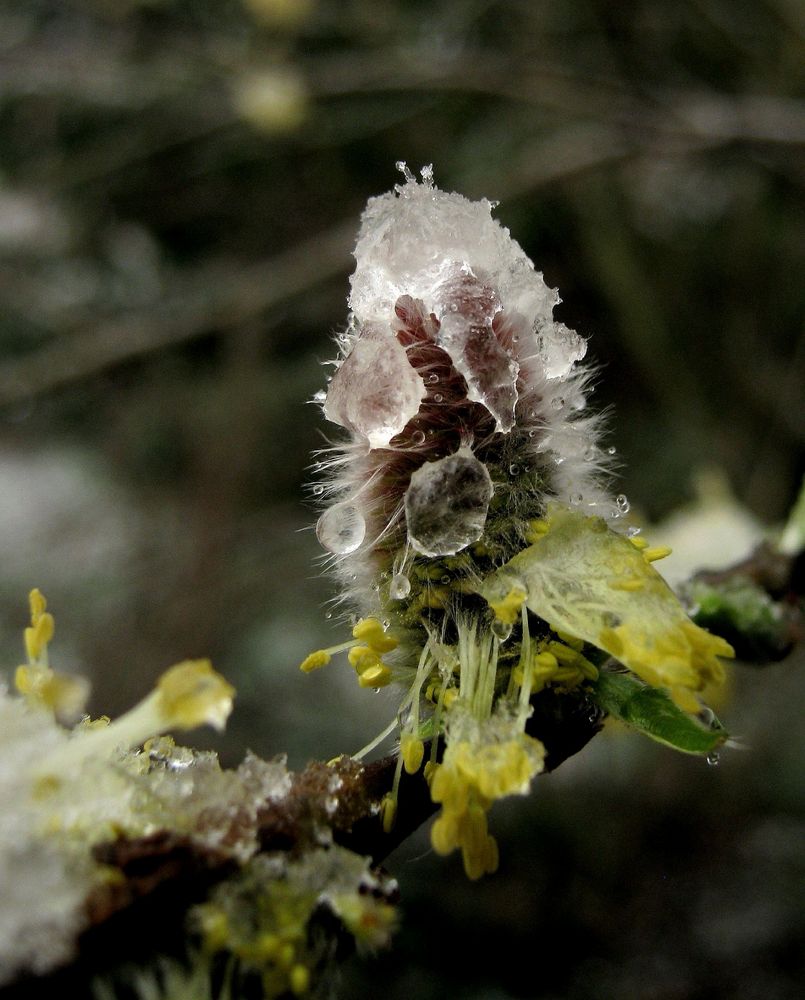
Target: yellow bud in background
<point x="272" y="100"/>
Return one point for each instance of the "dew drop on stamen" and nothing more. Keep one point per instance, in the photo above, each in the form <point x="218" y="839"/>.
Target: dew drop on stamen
<point x="501" y="630"/>
<point x="612" y="450"/>
<point x="622" y="502"/>
<point x="713" y="758"/>
<point x="318" y="489"/>
<point x="320" y="396"/>
<point x="433" y="378"/>
<point x="514" y="470"/>
<point x="418" y="437"/>
<point x="400" y="587"/>
<point x="341" y="528"/>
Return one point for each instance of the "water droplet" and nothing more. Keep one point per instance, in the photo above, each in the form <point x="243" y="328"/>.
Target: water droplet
<point x="713" y="758"/>
<point x="445" y="579"/>
<point x="433" y="378"/>
<point x="501" y="629"/>
<point x="576" y="499"/>
<point x="532" y="433"/>
<point x="320" y="396"/>
<point x="318" y="489"/>
<point x="400" y="587"/>
<point x="514" y="470"/>
<point x="622" y="503"/>
<point x="633" y="531"/>
<point x="418" y="437"/>
<point x="341" y="528"/>
<point x="557" y="403"/>
<point x="329" y="615"/>
<point x="438" y="398"/>
<point x="612" y="450"/>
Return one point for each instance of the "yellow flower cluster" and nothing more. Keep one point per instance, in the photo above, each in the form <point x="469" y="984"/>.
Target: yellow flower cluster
<point x="369" y="642"/>
<point x="39" y="684"/>
<point x="472" y="775"/>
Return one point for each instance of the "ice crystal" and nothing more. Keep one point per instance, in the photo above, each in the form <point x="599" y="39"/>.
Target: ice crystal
<point x="446" y="504"/>
<point x="375" y="391"/>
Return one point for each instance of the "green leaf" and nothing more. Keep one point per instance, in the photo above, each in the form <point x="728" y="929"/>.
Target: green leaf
<point x="651" y="711"/>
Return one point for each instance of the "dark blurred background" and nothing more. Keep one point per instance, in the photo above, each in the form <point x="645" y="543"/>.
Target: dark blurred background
<point x="180" y="188"/>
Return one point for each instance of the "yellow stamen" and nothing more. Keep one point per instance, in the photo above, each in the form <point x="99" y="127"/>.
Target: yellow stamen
<point x="658" y="552"/>
<point x="317" y="659"/>
<point x="371" y="631"/>
<point x="361" y="658"/>
<point x="412" y="751"/>
<point x="632" y="584"/>
<point x="508" y="609"/>
<point x="299" y="979"/>
<point x="375" y="677"/>
<point x="388" y="809"/>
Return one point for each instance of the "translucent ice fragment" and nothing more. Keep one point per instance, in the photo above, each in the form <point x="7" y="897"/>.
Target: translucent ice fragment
<point x="375" y="391"/>
<point x="559" y="348"/>
<point x="446" y="504"/>
<point x="341" y="528"/>
<point x="467" y="308"/>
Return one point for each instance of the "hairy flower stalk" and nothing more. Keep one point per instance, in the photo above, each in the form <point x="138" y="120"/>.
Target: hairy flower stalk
<point x="468" y="518"/>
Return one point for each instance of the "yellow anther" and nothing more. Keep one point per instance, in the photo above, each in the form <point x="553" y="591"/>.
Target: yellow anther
<point x="508" y="609"/>
<point x="563" y="653"/>
<point x="658" y="552"/>
<point x="319" y="658"/>
<point x="609" y="639"/>
<point x="685" y="699"/>
<point x="299" y="980"/>
<point x="590" y="670"/>
<point x="388" y="809"/>
<point x="412" y="751"/>
<point x="571" y="640"/>
<point x="638" y="542"/>
<point x="361" y="658"/>
<point x="375" y="677"/>
<point x="191" y="694"/>
<point x="60" y="693"/>
<point x="37" y="604"/>
<point x="570" y="676"/>
<point x="444" y="834"/>
<point x="371" y="631"/>
<point x="450" y="696"/>
<point x="546" y="661"/>
<point x="632" y="584"/>
<point x="536" y="530"/>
